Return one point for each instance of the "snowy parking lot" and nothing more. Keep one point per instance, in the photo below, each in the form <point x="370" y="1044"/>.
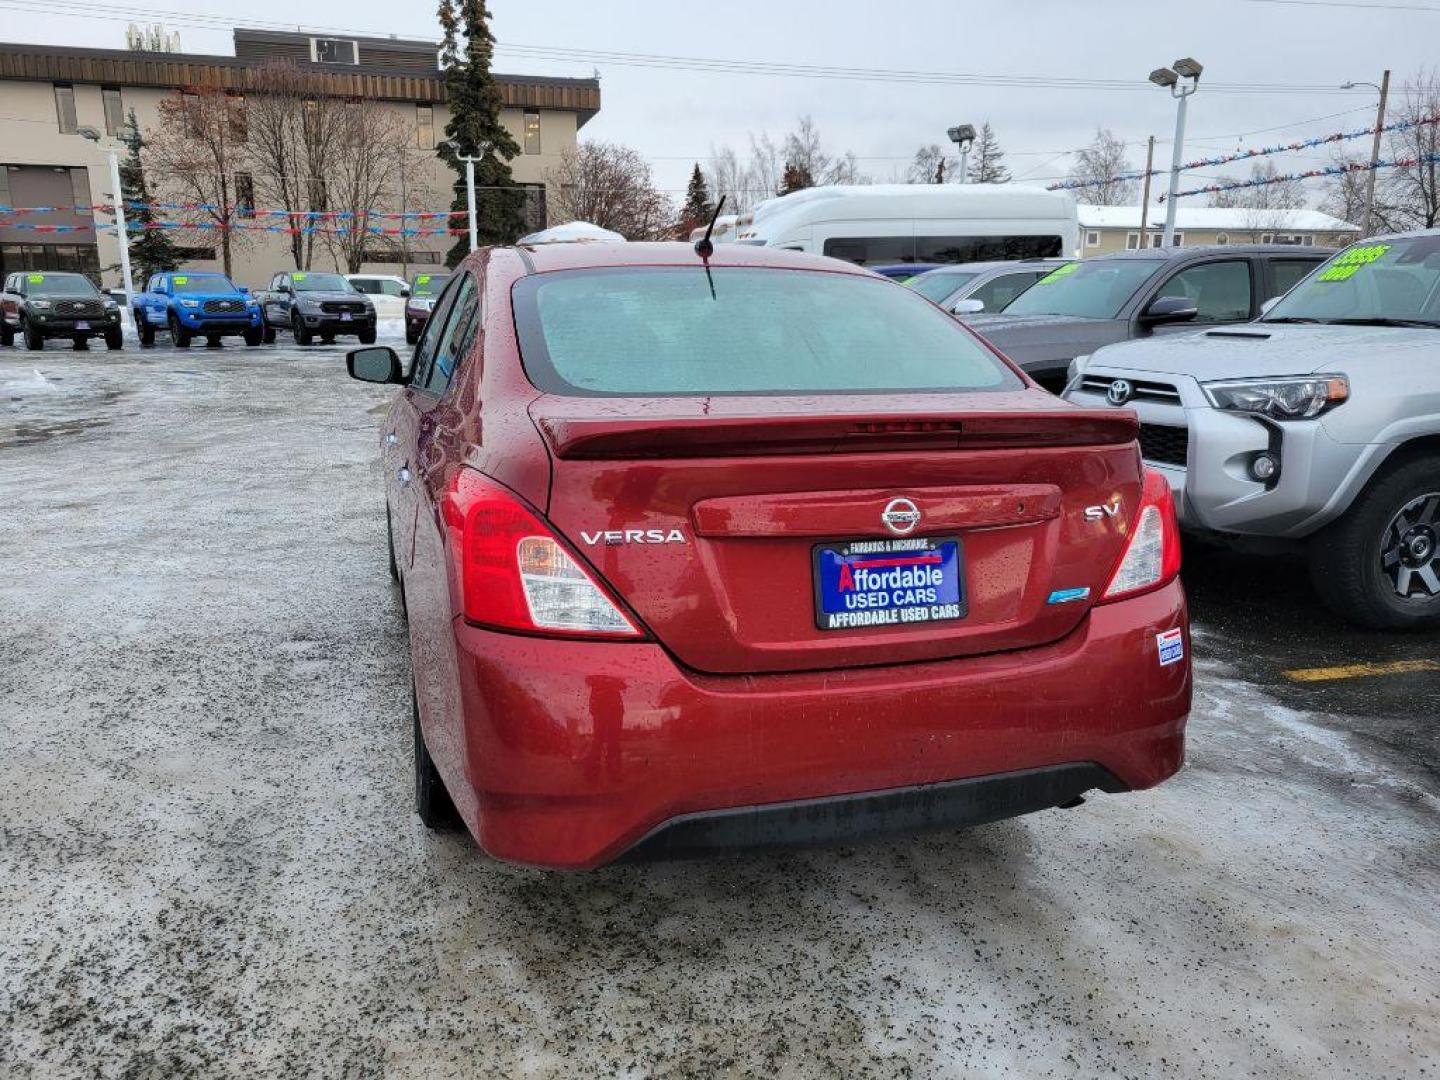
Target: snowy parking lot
<point x="209" y="862"/>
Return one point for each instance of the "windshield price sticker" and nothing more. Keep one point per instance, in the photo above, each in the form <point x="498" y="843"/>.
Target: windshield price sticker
<point x="1056" y="275"/>
<point x="1348" y="264"/>
<point x="37" y="279"/>
<point x="423" y="279"/>
<point x="182" y="280"/>
<point x="297" y="277"/>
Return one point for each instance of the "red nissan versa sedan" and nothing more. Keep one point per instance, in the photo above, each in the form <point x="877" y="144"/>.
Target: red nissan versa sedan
<point x="756" y="550"/>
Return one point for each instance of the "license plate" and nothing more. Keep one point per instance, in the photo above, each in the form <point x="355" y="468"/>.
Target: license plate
<point x="898" y="582"/>
<point x="344" y="316"/>
<point x="81" y="324"/>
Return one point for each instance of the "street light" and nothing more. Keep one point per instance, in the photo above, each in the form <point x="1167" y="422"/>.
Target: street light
<point x="1182" y="80"/>
<point x="963" y="136"/>
<point x="484" y="148"/>
<point x="121" y="236"/>
<point x="1384" y="91"/>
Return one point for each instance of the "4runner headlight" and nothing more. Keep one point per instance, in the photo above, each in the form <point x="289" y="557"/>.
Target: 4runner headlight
<point x="189" y="303"/>
<point x="1300" y="398"/>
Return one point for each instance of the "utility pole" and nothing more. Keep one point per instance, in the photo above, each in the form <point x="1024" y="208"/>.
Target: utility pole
<point x="1145" y="198"/>
<point x="121" y="233"/>
<point x="470" y="161"/>
<point x="1187" y="69"/>
<point x="1375" y="155"/>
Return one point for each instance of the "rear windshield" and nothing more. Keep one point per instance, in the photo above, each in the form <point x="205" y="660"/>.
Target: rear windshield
<point x="937" y="285"/>
<point x="59" y="285"/>
<point x="1090" y="290"/>
<point x="201" y="283"/>
<point x="659" y="332"/>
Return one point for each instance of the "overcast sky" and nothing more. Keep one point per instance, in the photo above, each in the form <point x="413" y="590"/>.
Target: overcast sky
<point x="674" y="115"/>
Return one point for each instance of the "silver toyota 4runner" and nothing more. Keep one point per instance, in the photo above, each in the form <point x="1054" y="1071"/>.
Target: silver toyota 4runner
<point x="1318" y="423"/>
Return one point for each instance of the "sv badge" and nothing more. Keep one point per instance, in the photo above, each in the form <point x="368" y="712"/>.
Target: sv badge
<point x="1104" y="510"/>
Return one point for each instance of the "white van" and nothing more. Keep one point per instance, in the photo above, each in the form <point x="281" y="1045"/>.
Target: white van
<point x="880" y="224"/>
<point x="724" y="230"/>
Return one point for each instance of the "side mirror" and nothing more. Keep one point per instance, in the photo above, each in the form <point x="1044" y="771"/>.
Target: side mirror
<point x="244" y="290"/>
<point x="404" y="293"/>
<point x="1268" y="304"/>
<point x="282" y="288"/>
<point x="967" y="307"/>
<point x="376" y="363"/>
<point x="1169" y="309"/>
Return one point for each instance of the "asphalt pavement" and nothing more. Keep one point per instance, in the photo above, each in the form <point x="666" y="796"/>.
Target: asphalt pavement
<point x="209" y="863"/>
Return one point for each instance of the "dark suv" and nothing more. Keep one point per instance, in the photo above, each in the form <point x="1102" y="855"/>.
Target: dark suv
<point x="38" y="305"/>
<point x="1132" y="294"/>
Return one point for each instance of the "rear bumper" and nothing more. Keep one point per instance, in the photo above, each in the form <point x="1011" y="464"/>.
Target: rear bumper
<point x="568" y="754"/>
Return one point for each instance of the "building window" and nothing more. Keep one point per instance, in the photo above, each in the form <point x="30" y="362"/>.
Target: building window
<point x="398" y="256"/>
<point x="245" y="194"/>
<point x="333" y="51"/>
<point x="80" y="187"/>
<point x="194" y="254"/>
<point x="1132" y="241"/>
<point x="1308" y="241"/>
<point x="71" y="258"/>
<point x="425" y="127"/>
<point x="239" y="122"/>
<point x="532" y="132"/>
<point x="1092" y="238"/>
<point x="114" y="110"/>
<point x="65" y="108"/>
<point x="5" y="171"/>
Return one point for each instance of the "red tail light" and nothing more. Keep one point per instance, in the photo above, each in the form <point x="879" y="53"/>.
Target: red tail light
<point x="515" y="572"/>
<point x="1152" y="555"/>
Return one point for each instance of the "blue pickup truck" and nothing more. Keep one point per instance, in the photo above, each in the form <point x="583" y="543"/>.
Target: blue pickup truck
<point x="191" y="305"/>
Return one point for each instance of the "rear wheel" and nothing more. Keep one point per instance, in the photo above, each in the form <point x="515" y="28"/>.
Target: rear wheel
<point x="1379" y="565"/>
<point x="34" y="340"/>
<point x="114" y="339"/>
<point x="144" y="328"/>
<point x="253" y="337"/>
<point x="267" y="334"/>
<point x="432" y="801"/>
<point x="7" y="334"/>
<point x="178" y="334"/>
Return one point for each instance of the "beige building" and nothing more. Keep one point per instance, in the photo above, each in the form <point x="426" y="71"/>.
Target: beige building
<point x="1104" y="229"/>
<point x="50" y="92"/>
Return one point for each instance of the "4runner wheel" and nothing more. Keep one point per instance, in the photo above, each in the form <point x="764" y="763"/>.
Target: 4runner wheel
<point x="34" y="340"/>
<point x="114" y="339"/>
<point x="178" y="334"/>
<point x="144" y="329"/>
<point x="267" y="334"/>
<point x="298" y="329"/>
<point x="432" y="801"/>
<point x="1379" y="565"/>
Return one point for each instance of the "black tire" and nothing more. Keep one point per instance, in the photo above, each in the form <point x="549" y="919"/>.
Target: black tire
<point x="432" y="801"/>
<point x="267" y="334"/>
<point x="7" y="334"/>
<point x="390" y="543"/>
<point x="327" y="339"/>
<point x="212" y="341"/>
<point x="411" y="336"/>
<point x="367" y="337"/>
<point x="1358" y="563"/>
<point x="178" y="334"/>
<point x="144" y="329"/>
<point x="80" y="344"/>
<point x="301" y="333"/>
<point x="253" y="337"/>
<point x="34" y="340"/>
<point x="115" y="339"/>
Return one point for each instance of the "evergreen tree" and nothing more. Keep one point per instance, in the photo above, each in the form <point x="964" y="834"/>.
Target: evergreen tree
<point x="151" y="250"/>
<point x="698" y="208"/>
<point x="475" y="101"/>
<point x="988" y="167"/>
<point x="795" y="178"/>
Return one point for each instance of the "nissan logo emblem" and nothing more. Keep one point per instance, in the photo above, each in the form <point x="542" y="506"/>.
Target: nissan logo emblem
<point x="1120" y="392"/>
<point x="900" y="516"/>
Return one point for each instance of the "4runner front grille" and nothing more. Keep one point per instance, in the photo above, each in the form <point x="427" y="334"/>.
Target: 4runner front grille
<point x="1142" y="390"/>
<point x="1165" y="444"/>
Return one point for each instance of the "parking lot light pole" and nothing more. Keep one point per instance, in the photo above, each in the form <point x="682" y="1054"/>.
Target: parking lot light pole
<point x="963" y="136"/>
<point x="1182" y="80"/>
<point x="470" y="161"/>
<point x="122" y="236"/>
<point x="1384" y="89"/>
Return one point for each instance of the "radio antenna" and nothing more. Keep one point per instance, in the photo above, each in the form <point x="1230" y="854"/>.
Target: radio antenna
<point x="703" y="247"/>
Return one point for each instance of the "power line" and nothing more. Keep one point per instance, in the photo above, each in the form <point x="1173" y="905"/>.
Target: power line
<point x="1351" y="4"/>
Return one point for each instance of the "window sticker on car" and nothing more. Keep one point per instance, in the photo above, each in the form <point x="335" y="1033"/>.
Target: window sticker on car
<point x="182" y="280"/>
<point x="297" y="277"/>
<point x="37" y="279"/>
<point x="1056" y="275"/>
<point x="1348" y="264"/>
<point x="1172" y="647"/>
<point x="423" y="279"/>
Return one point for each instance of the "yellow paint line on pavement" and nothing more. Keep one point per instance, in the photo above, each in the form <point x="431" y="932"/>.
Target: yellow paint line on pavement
<point x="1360" y="671"/>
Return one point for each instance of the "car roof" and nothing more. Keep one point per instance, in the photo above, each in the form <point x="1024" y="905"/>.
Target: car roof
<point x="1174" y="254"/>
<point x="593" y="254"/>
<point x="995" y="264"/>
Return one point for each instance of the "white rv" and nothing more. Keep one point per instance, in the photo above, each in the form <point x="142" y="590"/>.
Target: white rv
<point x="878" y="224"/>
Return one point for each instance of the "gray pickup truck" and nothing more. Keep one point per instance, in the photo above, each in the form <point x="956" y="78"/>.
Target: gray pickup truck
<point x="1318" y="426"/>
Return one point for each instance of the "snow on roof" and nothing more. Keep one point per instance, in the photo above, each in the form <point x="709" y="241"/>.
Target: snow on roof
<point x="918" y="200"/>
<point x="571" y="230"/>
<point x="1217" y="218"/>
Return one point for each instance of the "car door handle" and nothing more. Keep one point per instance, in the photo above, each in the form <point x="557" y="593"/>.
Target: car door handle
<point x="404" y="476"/>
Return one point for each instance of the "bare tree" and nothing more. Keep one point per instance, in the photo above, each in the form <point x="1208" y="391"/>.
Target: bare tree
<point x="611" y="186"/>
<point x="1413" y="191"/>
<point x="747" y="183"/>
<point x="929" y="166"/>
<point x="1098" y="167"/>
<point x="193" y="156"/>
<point x="360" y="183"/>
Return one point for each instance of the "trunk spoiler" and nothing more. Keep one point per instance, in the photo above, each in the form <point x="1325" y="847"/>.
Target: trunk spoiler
<point x="681" y="437"/>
